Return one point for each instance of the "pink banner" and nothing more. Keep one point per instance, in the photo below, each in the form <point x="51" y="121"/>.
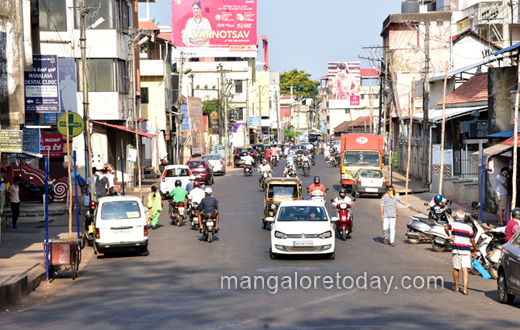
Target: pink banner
<point x="229" y="24"/>
<point x="52" y="145"/>
<point x="198" y="146"/>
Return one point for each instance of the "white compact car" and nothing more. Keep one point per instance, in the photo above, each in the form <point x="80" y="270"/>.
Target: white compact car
<point x="302" y="227"/>
<point x="173" y="173"/>
<point x="121" y="224"/>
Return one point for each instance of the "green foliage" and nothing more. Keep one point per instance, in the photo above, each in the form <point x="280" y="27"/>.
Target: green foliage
<point x="209" y="106"/>
<point x="290" y="135"/>
<point x="395" y="159"/>
<point x="302" y="84"/>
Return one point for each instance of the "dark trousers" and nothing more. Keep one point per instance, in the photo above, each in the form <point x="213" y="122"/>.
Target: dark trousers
<point x="15" y="211"/>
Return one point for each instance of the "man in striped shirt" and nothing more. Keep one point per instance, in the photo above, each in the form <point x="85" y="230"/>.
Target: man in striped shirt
<point x="463" y="238"/>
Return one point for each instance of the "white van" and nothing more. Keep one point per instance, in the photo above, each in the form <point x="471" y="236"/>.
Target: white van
<point x="121" y="224"/>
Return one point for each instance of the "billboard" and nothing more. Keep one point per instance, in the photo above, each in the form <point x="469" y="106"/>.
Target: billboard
<point x="215" y="27"/>
<point x="41" y="85"/>
<point x="344" y="82"/>
<point x="52" y="145"/>
<point x="67" y="76"/>
<point x="197" y="126"/>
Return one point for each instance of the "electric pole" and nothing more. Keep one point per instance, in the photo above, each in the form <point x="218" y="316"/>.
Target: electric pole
<point x="426" y="98"/>
<point x="132" y="107"/>
<point x="83" y="43"/>
<point x="178" y="106"/>
<point x="277" y="116"/>
<point x="246" y="137"/>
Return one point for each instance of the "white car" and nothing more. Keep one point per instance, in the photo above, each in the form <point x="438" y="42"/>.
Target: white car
<point x="121" y="224"/>
<point x="302" y="227"/>
<point x="173" y="173"/>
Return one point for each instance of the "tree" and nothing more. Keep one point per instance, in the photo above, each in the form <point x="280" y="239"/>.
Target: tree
<point x="290" y="134"/>
<point x="209" y="106"/>
<point x="302" y="84"/>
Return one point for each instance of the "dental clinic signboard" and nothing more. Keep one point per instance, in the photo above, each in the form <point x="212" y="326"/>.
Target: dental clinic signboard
<point x="41" y="85"/>
<point x="215" y="28"/>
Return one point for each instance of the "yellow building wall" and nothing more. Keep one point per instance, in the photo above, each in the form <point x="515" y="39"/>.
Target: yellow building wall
<point x="155" y="109"/>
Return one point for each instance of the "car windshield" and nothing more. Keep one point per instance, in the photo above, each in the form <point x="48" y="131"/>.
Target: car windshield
<point x="361" y="158"/>
<point x="373" y="174"/>
<point x="211" y="157"/>
<point x="302" y="213"/>
<point x="241" y="150"/>
<point x="282" y="191"/>
<point x="120" y="210"/>
<point x="197" y="164"/>
<point x="296" y="147"/>
<point x="177" y="172"/>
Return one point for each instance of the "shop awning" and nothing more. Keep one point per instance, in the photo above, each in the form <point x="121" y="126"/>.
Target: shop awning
<point x="451" y="113"/>
<point x="124" y="128"/>
<point x="497" y="149"/>
<point x="504" y="134"/>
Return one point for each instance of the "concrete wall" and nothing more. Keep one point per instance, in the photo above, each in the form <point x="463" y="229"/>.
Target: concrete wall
<point x="12" y="110"/>
<point x="500" y="82"/>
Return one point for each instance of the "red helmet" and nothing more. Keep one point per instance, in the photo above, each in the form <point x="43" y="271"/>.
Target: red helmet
<point x="196" y="184"/>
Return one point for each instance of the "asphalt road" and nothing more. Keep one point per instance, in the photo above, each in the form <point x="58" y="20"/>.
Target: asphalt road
<point x="178" y="285"/>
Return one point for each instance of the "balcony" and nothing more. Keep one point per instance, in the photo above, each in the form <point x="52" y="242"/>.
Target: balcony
<point x="484" y="13"/>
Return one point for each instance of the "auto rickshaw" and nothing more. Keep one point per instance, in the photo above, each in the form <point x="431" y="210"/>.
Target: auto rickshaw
<point x="278" y="190"/>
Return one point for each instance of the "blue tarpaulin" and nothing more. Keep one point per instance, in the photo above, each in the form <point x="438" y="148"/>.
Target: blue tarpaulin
<point x="507" y="49"/>
<point x="505" y="134"/>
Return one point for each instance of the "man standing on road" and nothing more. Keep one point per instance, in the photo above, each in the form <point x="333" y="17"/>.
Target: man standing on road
<point x="461" y="236"/>
<point x="501" y="190"/>
<point x="389" y="215"/>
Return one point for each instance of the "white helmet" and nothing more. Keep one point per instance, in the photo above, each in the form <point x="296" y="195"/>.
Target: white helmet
<point x="208" y="191"/>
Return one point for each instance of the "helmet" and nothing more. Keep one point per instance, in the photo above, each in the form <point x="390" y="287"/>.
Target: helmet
<point x="292" y="173"/>
<point x="291" y="152"/>
<point x="208" y="191"/>
<point x="178" y="183"/>
<point x="437" y="198"/>
<point x="515" y="214"/>
<point x="317" y="179"/>
<point x="264" y="162"/>
<point x="342" y="192"/>
<point x="196" y="184"/>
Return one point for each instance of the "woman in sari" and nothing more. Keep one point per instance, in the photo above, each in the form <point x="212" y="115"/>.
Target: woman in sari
<point x="154" y="206"/>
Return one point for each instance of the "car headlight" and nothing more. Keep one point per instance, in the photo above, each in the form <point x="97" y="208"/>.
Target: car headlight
<point x="273" y="206"/>
<point x="344" y="176"/>
<point x="327" y="234"/>
<point x="279" y="234"/>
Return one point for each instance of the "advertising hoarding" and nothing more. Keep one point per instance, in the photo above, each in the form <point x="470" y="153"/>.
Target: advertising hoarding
<point x="215" y="27"/>
<point x="197" y="126"/>
<point x="52" y="145"/>
<point x="68" y="89"/>
<point x="344" y="82"/>
<point x="41" y="85"/>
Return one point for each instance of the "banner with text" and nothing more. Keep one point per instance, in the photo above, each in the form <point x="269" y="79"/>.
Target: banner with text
<point x="52" y="145"/>
<point x="41" y="85"/>
<point x="344" y="82"/>
<point x="197" y="126"/>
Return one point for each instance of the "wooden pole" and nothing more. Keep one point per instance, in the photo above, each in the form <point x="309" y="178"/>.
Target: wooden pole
<point x="443" y="128"/>
<point x="515" y="151"/>
<point x="371" y="104"/>
<point x="157" y="146"/>
<point x="68" y="170"/>
<point x="412" y="106"/>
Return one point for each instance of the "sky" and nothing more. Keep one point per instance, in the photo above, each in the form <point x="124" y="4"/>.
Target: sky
<point x="305" y="34"/>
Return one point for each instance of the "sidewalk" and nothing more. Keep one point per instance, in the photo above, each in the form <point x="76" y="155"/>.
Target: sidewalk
<point x="22" y="262"/>
<point x="399" y="182"/>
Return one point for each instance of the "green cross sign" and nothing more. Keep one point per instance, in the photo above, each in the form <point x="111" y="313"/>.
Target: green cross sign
<point x="75" y="124"/>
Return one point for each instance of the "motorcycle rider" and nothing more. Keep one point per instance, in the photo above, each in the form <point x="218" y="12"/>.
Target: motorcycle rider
<point x="265" y="168"/>
<point x="326" y="151"/>
<point x="248" y="160"/>
<point x="333" y="155"/>
<point x="267" y="155"/>
<point x="342" y="198"/>
<point x="513" y="225"/>
<point x="288" y="167"/>
<point x="317" y="186"/>
<point x="274" y="152"/>
<point x="179" y="194"/>
<point x="291" y="156"/>
<point x="437" y="200"/>
<point x="196" y="194"/>
<point x="209" y="205"/>
<point x="306" y="159"/>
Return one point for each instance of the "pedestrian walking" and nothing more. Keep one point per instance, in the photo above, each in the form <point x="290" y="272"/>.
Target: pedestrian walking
<point x="14" y="200"/>
<point x="462" y="236"/>
<point x="101" y="185"/>
<point x="501" y="190"/>
<point x="154" y="206"/>
<point x="389" y="215"/>
<point x="2" y="189"/>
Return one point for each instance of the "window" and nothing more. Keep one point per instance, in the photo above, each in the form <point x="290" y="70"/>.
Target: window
<point x="177" y="172"/>
<point x="53" y="15"/>
<point x="106" y="12"/>
<point x="100" y="74"/>
<point x="302" y="213"/>
<point x="123" y="15"/>
<point x="144" y="95"/>
<point x="362" y="96"/>
<point x="238" y="87"/>
<point x="347" y="111"/>
<point x="120" y="210"/>
<point x="283" y="191"/>
<point x="123" y="78"/>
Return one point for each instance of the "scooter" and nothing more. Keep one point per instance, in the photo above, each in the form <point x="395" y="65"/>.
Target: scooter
<point x="441" y="240"/>
<point x="345" y="224"/>
<point x="263" y="178"/>
<point x="178" y="213"/>
<point x="33" y="191"/>
<point x="194" y="214"/>
<point x="208" y="224"/>
<point x="317" y="195"/>
<point x="163" y="163"/>
<point x="306" y="168"/>
<point x="89" y="224"/>
<point x="248" y="170"/>
<point x="493" y="257"/>
<point x="274" y="160"/>
<point x="419" y="228"/>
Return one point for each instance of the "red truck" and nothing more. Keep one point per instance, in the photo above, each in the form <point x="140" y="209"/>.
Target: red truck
<point x="359" y="151"/>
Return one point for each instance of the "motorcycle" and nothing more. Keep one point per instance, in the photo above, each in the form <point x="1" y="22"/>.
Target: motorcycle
<point x="306" y="168"/>
<point x="89" y="225"/>
<point x="263" y="178"/>
<point x="274" y="160"/>
<point x="33" y="191"/>
<point x="163" y="163"/>
<point x="178" y="213"/>
<point x="494" y="254"/>
<point x="299" y="160"/>
<point x="208" y="224"/>
<point x="345" y="224"/>
<point x="419" y="227"/>
<point x="313" y="158"/>
<point x="248" y="171"/>
<point x="194" y="214"/>
<point x="317" y="196"/>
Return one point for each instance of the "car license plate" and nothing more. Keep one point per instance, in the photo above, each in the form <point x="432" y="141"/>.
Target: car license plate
<point x="210" y="223"/>
<point x="126" y="231"/>
<point x="306" y="243"/>
<point x="371" y="190"/>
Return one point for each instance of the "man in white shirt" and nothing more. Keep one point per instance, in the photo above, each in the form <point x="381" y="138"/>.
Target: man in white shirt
<point x="501" y="190"/>
<point x="265" y="168"/>
<point x="196" y="194"/>
<point x="248" y="160"/>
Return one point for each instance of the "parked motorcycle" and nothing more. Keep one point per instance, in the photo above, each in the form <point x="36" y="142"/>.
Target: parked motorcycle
<point x="306" y="168"/>
<point x="248" y="170"/>
<point x="429" y="229"/>
<point x="35" y="192"/>
<point x="208" y="223"/>
<point x="178" y="213"/>
<point x="163" y="163"/>
<point x="489" y="253"/>
<point x="89" y="225"/>
<point x="345" y="224"/>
